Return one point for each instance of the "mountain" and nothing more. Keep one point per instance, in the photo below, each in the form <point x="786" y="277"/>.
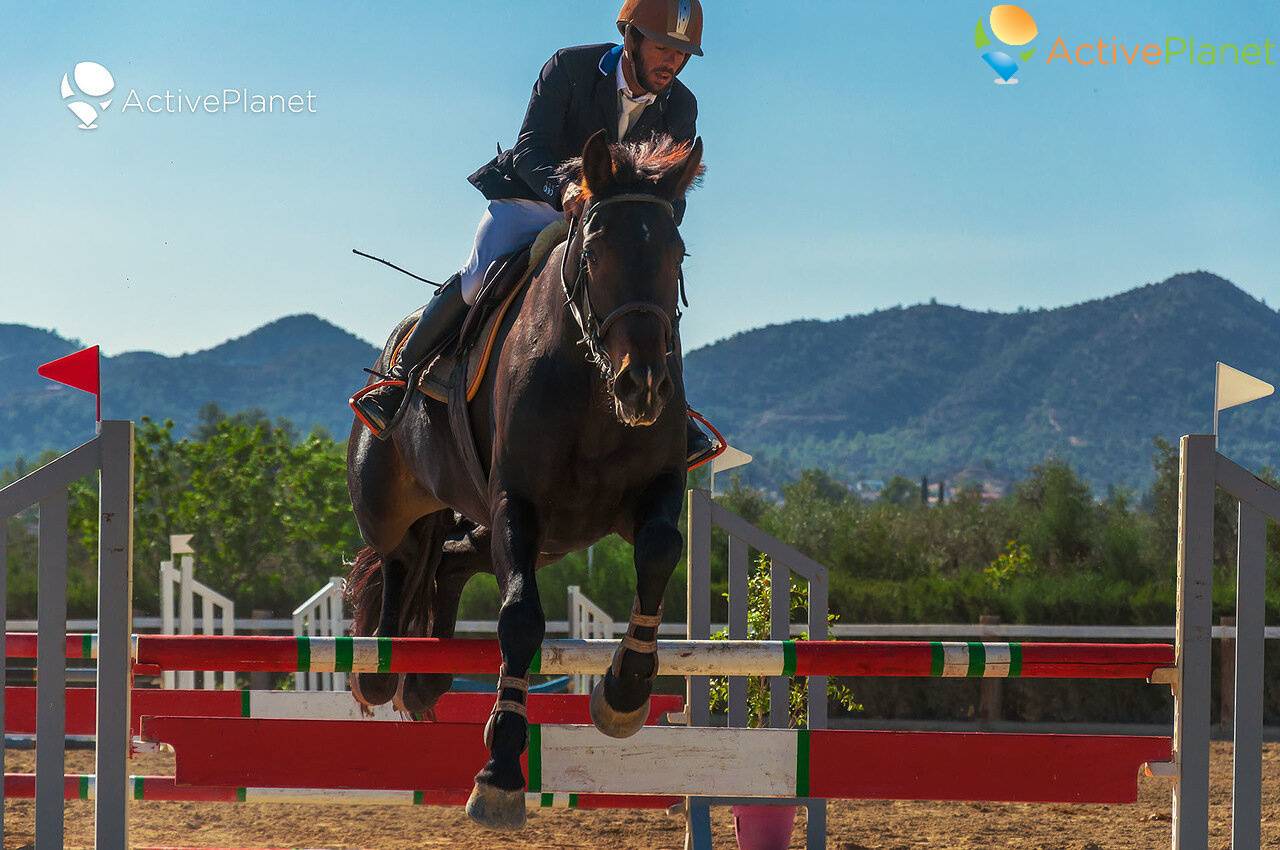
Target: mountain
<point x="943" y="391"/>
<point x="300" y="367"/>
<point x="925" y="390"/>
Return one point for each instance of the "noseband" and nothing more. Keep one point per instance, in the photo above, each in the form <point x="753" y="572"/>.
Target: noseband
<point x="578" y="292"/>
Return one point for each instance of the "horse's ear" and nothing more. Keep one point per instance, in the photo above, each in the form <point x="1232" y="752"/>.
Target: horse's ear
<point x="677" y="183"/>
<point x="597" y="164"/>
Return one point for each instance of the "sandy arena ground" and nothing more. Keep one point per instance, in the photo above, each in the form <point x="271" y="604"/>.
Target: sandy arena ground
<point x="852" y="825"/>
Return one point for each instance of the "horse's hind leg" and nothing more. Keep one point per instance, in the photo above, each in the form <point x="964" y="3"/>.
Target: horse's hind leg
<point x="464" y="556"/>
<point x="378" y="688"/>
<point x="394" y="515"/>
<point x="620" y="701"/>
<point x="497" y="800"/>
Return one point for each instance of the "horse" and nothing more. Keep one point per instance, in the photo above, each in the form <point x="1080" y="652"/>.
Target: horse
<point x="581" y="417"/>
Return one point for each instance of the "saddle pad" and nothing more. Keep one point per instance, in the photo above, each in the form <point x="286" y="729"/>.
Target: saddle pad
<point x="437" y="379"/>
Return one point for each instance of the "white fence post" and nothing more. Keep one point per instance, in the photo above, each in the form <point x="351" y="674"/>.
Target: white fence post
<point x="181" y="552"/>
<point x="587" y="620"/>
<point x="168" y="576"/>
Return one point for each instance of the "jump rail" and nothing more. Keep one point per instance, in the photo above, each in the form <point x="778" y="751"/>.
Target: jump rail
<point x="22" y="786"/>
<point x="675" y="658"/>
<point x="456" y="707"/>
<point x="719" y="761"/>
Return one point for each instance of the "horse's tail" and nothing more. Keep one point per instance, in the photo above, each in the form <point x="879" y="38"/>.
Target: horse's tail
<point x="364" y="591"/>
<point x="364" y="582"/>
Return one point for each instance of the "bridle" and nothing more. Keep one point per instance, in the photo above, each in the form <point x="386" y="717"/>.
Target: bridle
<point x="578" y="293"/>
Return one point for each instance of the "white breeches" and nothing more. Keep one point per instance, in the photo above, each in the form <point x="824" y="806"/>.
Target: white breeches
<point x="505" y="226"/>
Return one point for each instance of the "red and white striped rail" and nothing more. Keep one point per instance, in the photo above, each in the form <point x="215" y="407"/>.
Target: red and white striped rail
<point x="676" y="657"/>
<point x="453" y="707"/>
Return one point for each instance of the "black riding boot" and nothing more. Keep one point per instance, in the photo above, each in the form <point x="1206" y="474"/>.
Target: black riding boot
<point x="439" y="318"/>
<point x="699" y="444"/>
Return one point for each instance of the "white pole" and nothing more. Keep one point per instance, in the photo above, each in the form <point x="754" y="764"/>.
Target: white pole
<point x="1217" y="379"/>
<point x="186" y="613"/>
<point x="229" y="628"/>
<point x="167" y="578"/>
<point x="208" y="627"/>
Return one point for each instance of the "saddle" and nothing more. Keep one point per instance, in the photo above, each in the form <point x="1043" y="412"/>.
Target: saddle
<point x="476" y="341"/>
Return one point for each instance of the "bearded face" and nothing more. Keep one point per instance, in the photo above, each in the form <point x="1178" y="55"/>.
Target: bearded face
<point x="656" y="65"/>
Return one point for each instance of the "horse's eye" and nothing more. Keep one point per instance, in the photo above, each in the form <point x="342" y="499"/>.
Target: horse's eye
<point x="588" y="255"/>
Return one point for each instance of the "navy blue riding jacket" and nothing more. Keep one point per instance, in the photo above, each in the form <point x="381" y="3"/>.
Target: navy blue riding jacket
<point x="575" y="96"/>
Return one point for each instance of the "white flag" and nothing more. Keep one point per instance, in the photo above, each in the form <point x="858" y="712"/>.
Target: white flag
<point x="1233" y="387"/>
<point x="731" y="459"/>
<point x="180" y="544"/>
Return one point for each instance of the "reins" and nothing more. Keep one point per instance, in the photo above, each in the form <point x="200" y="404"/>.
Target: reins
<point x="593" y="328"/>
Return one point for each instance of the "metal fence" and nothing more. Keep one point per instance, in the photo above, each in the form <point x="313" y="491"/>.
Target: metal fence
<point x="111" y="454"/>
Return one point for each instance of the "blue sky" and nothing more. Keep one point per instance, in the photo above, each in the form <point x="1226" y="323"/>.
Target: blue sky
<point x="859" y="157"/>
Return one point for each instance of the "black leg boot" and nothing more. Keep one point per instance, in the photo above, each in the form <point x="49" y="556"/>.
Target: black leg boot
<point x="699" y="444"/>
<point x="377" y="409"/>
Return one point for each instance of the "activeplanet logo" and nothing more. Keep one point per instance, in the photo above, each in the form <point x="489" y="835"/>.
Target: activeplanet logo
<point x="1013" y="26"/>
<point x="1010" y="26"/>
<point x="84" y="91"/>
<point x="88" y="81"/>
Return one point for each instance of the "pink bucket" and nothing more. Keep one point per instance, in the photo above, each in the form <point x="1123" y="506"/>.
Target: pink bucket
<point x="764" y="827"/>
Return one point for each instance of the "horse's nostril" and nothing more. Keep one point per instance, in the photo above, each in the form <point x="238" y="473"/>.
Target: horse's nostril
<point x="626" y="385"/>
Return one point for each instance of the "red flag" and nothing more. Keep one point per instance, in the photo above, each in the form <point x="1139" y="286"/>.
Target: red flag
<point x="79" y="370"/>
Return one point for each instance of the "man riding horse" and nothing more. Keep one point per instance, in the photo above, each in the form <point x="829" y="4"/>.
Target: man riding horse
<point x="569" y="422"/>
<point x="629" y="91"/>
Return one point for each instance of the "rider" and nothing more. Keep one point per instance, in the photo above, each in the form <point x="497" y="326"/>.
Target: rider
<point x="631" y="92"/>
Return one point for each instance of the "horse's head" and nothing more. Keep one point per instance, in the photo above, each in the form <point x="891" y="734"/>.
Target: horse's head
<point x="625" y="294"/>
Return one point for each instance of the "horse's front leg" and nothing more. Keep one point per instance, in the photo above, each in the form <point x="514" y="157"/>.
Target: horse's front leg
<point x="620" y="701"/>
<point x="497" y="801"/>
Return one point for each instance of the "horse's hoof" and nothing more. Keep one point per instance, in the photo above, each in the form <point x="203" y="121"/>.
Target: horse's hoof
<point x="616" y="724"/>
<point x="494" y="808"/>
<point x="373" y="689"/>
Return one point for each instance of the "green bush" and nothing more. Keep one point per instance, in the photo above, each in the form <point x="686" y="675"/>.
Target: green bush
<point x="272" y="521"/>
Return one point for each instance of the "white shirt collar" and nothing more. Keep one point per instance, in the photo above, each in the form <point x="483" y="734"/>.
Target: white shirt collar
<point x="646" y="98"/>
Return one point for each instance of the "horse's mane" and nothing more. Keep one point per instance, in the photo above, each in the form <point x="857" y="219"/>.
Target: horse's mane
<point x="638" y="166"/>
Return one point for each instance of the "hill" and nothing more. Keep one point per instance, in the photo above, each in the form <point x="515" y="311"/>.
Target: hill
<point x="925" y="390"/>
<point x="942" y="391"/>
<point x="301" y="368"/>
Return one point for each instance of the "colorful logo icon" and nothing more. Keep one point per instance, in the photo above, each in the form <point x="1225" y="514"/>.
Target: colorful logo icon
<point x="1013" y="26"/>
<point x="87" y="82"/>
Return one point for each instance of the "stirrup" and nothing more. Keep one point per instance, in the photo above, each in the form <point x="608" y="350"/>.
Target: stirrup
<point x="718" y="442"/>
<point x="353" y="402"/>
<point x="409" y="382"/>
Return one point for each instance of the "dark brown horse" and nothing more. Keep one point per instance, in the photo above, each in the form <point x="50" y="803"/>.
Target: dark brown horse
<point x="581" y="420"/>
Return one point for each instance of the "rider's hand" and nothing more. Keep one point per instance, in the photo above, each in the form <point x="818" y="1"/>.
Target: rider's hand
<point x="572" y="201"/>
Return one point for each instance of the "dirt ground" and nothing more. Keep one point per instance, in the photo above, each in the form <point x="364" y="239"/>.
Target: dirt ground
<point x="852" y="825"/>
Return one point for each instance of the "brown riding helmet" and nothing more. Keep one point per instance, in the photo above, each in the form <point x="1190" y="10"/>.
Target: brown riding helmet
<point x="674" y="23"/>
